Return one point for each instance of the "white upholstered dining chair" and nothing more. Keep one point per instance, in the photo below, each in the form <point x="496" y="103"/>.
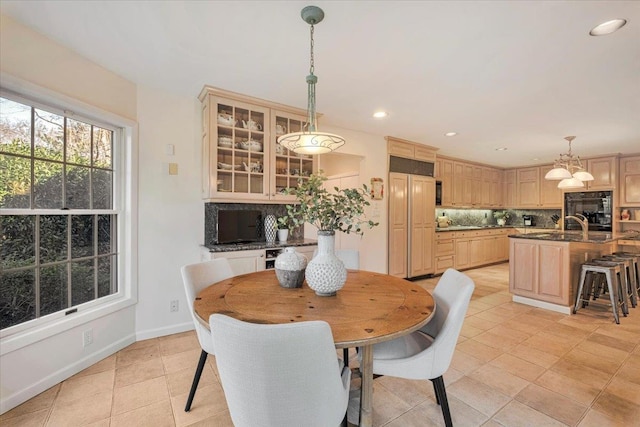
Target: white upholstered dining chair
<point x="426" y="354"/>
<point x="195" y="278"/>
<point x="280" y="375"/>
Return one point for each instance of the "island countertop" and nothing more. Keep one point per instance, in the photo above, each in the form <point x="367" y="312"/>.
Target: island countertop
<point x="576" y="236"/>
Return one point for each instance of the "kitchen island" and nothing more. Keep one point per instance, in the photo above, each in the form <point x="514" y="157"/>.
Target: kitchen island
<point x="544" y="268"/>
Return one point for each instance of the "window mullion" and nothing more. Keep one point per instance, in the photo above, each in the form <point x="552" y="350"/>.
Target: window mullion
<point x="37" y="264"/>
<point x="69" y="225"/>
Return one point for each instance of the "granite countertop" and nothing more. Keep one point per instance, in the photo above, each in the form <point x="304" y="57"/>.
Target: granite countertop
<point x="232" y="247"/>
<point x="470" y="227"/>
<point x="576" y="236"/>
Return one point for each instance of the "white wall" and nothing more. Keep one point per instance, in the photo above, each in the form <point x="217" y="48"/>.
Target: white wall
<point x="171" y="227"/>
<point x="54" y="354"/>
<point x="373" y="150"/>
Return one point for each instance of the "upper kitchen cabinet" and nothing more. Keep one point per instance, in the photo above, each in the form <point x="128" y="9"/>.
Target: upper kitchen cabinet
<point x="603" y="170"/>
<point x="550" y="194"/>
<point x="630" y="181"/>
<point x="410" y="150"/>
<point x="528" y="187"/>
<point x="467" y="184"/>
<point x="241" y="159"/>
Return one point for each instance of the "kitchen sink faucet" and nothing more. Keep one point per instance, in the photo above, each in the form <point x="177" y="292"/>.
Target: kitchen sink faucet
<point x="584" y="223"/>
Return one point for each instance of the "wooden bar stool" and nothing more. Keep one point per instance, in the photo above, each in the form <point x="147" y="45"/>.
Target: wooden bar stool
<point x="611" y="272"/>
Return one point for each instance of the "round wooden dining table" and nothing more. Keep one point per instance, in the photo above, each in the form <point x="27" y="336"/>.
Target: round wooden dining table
<point x="370" y="308"/>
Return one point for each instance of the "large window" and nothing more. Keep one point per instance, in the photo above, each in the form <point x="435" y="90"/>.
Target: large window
<point x="58" y="216"/>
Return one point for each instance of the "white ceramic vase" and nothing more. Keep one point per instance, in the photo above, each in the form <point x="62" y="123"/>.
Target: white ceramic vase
<point x="326" y="273"/>
<point x="283" y="235"/>
<point x="290" y="266"/>
<point x="270" y="228"/>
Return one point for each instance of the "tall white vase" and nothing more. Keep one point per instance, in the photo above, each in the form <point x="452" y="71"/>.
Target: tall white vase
<point x="270" y="228"/>
<point x="326" y="273"/>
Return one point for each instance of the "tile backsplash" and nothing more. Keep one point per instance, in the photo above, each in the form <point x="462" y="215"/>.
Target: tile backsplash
<point x="211" y="218"/>
<point x="479" y="217"/>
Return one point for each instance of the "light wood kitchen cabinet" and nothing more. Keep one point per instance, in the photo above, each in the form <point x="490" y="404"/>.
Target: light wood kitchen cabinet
<point x="422" y="223"/>
<point x="462" y="255"/>
<point x="444" y="251"/>
<point x="603" y="170"/>
<point x="509" y="188"/>
<point x="241" y="159"/>
<point x="458" y="184"/>
<point x="398" y="224"/>
<point x="539" y="270"/>
<point x="444" y="173"/>
<point x="480" y="247"/>
<point x="630" y="181"/>
<point x="528" y="187"/>
<point x="550" y="194"/>
<point x="496" y="188"/>
<point x="410" y="150"/>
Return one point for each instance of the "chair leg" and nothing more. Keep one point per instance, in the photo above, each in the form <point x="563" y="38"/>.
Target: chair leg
<point x="435" y="390"/>
<point x="345" y="356"/>
<point x="196" y="380"/>
<point x="441" y="394"/>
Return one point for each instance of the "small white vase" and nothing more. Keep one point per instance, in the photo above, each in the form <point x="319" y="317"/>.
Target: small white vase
<point x="326" y="273"/>
<point x="502" y="222"/>
<point x="270" y="228"/>
<point x="290" y="267"/>
<point x="283" y="235"/>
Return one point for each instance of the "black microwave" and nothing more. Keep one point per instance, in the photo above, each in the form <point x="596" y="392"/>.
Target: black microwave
<point x="438" y="193"/>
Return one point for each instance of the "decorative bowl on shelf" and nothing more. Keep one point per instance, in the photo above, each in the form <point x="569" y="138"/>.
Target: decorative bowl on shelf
<point x="279" y="149"/>
<point x="252" y="145"/>
<point x="225" y="141"/>
<point x="226" y="119"/>
<point x="226" y="166"/>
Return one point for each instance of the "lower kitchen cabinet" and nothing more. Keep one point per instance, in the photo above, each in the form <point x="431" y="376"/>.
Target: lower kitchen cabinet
<point x="250" y="261"/>
<point x="468" y="249"/>
<point x="243" y="262"/>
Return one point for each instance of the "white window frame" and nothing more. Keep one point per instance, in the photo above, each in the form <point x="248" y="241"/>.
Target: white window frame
<point x="125" y="177"/>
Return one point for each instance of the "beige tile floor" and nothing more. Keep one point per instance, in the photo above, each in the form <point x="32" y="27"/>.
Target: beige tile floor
<point x="514" y="366"/>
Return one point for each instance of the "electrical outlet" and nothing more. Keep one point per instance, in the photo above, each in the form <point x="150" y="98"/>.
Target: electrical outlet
<point x="173" y="307"/>
<point x="87" y="337"/>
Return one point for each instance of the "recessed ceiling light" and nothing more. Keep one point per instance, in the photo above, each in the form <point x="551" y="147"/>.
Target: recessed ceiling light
<point x="607" y="27"/>
<point x="451" y="134"/>
<point x="380" y="114"/>
<point x="501" y="149"/>
<point x="535" y="158"/>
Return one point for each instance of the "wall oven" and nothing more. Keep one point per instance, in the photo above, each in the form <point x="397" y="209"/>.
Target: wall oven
<point x="596" y="206"/>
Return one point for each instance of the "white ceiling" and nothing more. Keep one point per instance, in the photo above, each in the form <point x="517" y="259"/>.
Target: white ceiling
<point x="518" y="74"/>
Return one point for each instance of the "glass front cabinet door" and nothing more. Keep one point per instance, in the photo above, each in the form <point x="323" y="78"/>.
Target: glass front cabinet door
<point x="241" y="159"/>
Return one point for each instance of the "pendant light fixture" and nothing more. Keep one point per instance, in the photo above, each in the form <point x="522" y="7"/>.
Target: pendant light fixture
<point x="310" y="140"/>
<point x="569" y="170"/>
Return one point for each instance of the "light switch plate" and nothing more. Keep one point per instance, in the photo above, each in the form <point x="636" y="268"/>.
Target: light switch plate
<point x="173" y="169"/>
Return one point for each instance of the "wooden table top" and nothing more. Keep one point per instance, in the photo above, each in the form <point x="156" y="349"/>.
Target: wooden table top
<point x="370" y="308"/>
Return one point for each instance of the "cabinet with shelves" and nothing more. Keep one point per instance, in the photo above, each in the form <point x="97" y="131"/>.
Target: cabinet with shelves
<point x="241" y="159"/>
<point x="630" y="182"/>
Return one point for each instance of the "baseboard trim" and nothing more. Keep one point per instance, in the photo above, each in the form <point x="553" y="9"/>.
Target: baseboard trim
<point x="57" y="377"/>
<point x="167" y="330"/>
<point x="541" y="304"/>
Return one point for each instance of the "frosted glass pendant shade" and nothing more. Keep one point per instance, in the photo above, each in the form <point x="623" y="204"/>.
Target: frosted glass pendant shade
<point x="311" y="142"/>
<point x="569" y="183"/>
<point x="583" y="175"/>
<point x="557" y="174"/>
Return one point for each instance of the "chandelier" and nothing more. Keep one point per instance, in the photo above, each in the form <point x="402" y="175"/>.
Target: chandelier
<point x="310" y="140"/>
<point x="569" y="170"/>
